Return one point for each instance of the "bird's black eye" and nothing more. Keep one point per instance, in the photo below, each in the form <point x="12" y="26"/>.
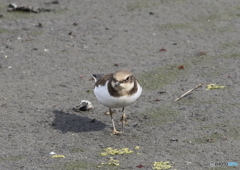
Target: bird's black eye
<point x="127" y="79"/>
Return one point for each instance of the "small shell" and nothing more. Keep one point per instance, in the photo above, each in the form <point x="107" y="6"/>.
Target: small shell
<point x="52" y="153"/>
<point x="85" y="105"/>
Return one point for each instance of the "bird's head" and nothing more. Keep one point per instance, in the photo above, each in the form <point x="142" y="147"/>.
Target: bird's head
<point x="123" y="80"/>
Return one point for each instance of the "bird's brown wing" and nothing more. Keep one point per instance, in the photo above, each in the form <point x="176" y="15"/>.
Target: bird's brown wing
<point x="100" y="79"/>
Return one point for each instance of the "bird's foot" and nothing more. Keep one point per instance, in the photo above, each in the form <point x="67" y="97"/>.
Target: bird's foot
<point x="123" y="120"/>
<point x="115" y="132"/>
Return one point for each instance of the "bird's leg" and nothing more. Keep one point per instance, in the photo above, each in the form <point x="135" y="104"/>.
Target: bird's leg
<point x="124" y="118"/>
<point x="115" y="132"/>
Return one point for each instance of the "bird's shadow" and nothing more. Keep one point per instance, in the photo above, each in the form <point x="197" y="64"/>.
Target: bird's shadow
<point x="69" y="122"/>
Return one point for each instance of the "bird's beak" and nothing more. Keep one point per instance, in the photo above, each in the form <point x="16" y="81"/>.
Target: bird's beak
<point x="117" y="83"/>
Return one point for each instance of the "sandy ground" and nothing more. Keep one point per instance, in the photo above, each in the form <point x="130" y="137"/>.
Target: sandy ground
<point x="47" y="59"/>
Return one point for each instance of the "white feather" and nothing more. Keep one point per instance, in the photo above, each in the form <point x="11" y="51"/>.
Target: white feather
<point x="103" y="96"/>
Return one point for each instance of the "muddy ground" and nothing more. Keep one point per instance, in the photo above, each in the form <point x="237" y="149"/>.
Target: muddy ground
<point x="47" y="59"/>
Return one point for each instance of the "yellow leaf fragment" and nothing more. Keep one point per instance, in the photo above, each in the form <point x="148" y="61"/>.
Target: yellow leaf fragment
<point x="111" y="151"/>
<point x="116" y="164"/>
<point x="111" y="162"/>
<point x="104" y="153"/>
<point x="213" y="86"/>
<point x="162" y="165"/>
<point x="137" y="147"/>
<point x="58" y="156"/>
<point x="126" y="150"/>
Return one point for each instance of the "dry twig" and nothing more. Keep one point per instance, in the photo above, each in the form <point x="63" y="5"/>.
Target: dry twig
<point x="189" y="91"/>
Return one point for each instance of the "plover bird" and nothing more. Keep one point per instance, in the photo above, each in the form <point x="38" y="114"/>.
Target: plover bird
<point x="117" y="90"/>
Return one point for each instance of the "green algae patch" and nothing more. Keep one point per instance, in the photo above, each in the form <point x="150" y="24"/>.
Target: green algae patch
<point x="146" y="4"/>
<point x="13" y="15"/>
<point x="233" y="56"/>
<point x="210" y="24"/>
<point x="160" y="115"/>
<point x="208" y="62"/>
<point x="211" y="138"/>
<point x="231" y="45"/>
<point x="219" y="168"/>
<point x="174" y="26"/>
<point x="76" y="150"/>
<point x="2" y="159"/>
<point x="159" y="77"/>
<point x="232" y="131"/>
<point x="75" y="165"/>
<point x="15" y="158"/>
<point x="35" y="32"/>
<point x="3" y="30"/>
<point x="139" y="4"/>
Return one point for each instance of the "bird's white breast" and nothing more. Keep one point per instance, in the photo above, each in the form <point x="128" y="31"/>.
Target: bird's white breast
<point x="103" y="96"/>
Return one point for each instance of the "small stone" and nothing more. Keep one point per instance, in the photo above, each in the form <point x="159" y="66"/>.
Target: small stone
<point x="40" y="25"/>
<point x="92" y="121"/>
<point x="161" y="92"/>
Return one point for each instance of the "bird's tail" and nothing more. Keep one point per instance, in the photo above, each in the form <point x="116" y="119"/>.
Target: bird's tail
<point x="96" y="77"/>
